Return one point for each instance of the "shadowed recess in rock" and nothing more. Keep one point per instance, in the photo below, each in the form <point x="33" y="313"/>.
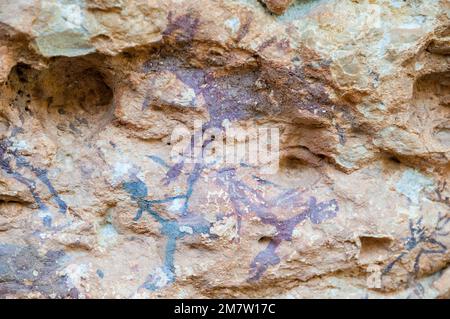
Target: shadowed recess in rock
<point x="422" y="242"/>
<point x="242" y="196"/>
<point x="22" y="265"/>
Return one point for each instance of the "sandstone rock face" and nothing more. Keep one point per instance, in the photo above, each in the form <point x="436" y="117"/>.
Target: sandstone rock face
<point x="277" y="6"/>
<point x="92" y="204"/>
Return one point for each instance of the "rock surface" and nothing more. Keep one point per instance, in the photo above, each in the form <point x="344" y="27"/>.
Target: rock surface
<point x="277" y="6"/>
<point x="92" y="206"/>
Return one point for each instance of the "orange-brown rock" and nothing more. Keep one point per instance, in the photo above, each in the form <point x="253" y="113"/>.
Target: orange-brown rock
<point x="101" y="99"/>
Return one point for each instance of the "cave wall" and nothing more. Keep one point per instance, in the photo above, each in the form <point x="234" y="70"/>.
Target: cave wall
<point x="93" y="206"/>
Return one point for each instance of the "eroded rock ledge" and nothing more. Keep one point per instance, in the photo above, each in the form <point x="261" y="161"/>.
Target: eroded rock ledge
<point x="91" y="205"/>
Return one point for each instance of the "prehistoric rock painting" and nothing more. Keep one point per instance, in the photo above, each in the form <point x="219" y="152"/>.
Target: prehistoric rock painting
<point x="22" y="265"/>
<point x="92" y="204"/>
<point x="8" y="156"/>
<point x="172" y="229"/>
<point x="240" y="195"/>
<point x="422" y="242"/>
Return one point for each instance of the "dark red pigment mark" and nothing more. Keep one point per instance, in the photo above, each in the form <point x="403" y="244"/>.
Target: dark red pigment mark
<point x="243" y="29"/>
<point x="233" y="96"/>
<point x="341" y="133"/>
<point x="18" y="268"/>
<point x="242" y="196"/>
<point x="267" y="43"/>
<point x="182" y="28"/>
<point x="316" y="212"/>
<point x="284" y="45"/>
<point x="423" y="242"/>
<point x="236" y="97"/>
<point x="301" y="88"/>
<point x="245" y="198"/>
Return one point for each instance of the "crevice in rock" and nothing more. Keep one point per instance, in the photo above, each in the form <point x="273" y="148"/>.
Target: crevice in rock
<point x="374" y="248"/>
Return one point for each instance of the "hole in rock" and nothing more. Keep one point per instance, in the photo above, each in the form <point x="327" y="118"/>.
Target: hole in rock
<point x="264" y="240"/>
<point x="374" y="249"/>
<point x="432" y="106"/>
<point x="71" y="98"/>
<point x="394" y="159"/>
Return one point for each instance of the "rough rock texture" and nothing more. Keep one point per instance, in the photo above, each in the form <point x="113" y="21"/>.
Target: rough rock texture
<point x="277" y="6"/>
<point x="91" y="205"/>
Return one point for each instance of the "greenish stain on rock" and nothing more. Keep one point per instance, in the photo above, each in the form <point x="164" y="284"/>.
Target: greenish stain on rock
<point x="352" y="156"/>
<point x="62" y="29"/>
<point x="412" y="183"/>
